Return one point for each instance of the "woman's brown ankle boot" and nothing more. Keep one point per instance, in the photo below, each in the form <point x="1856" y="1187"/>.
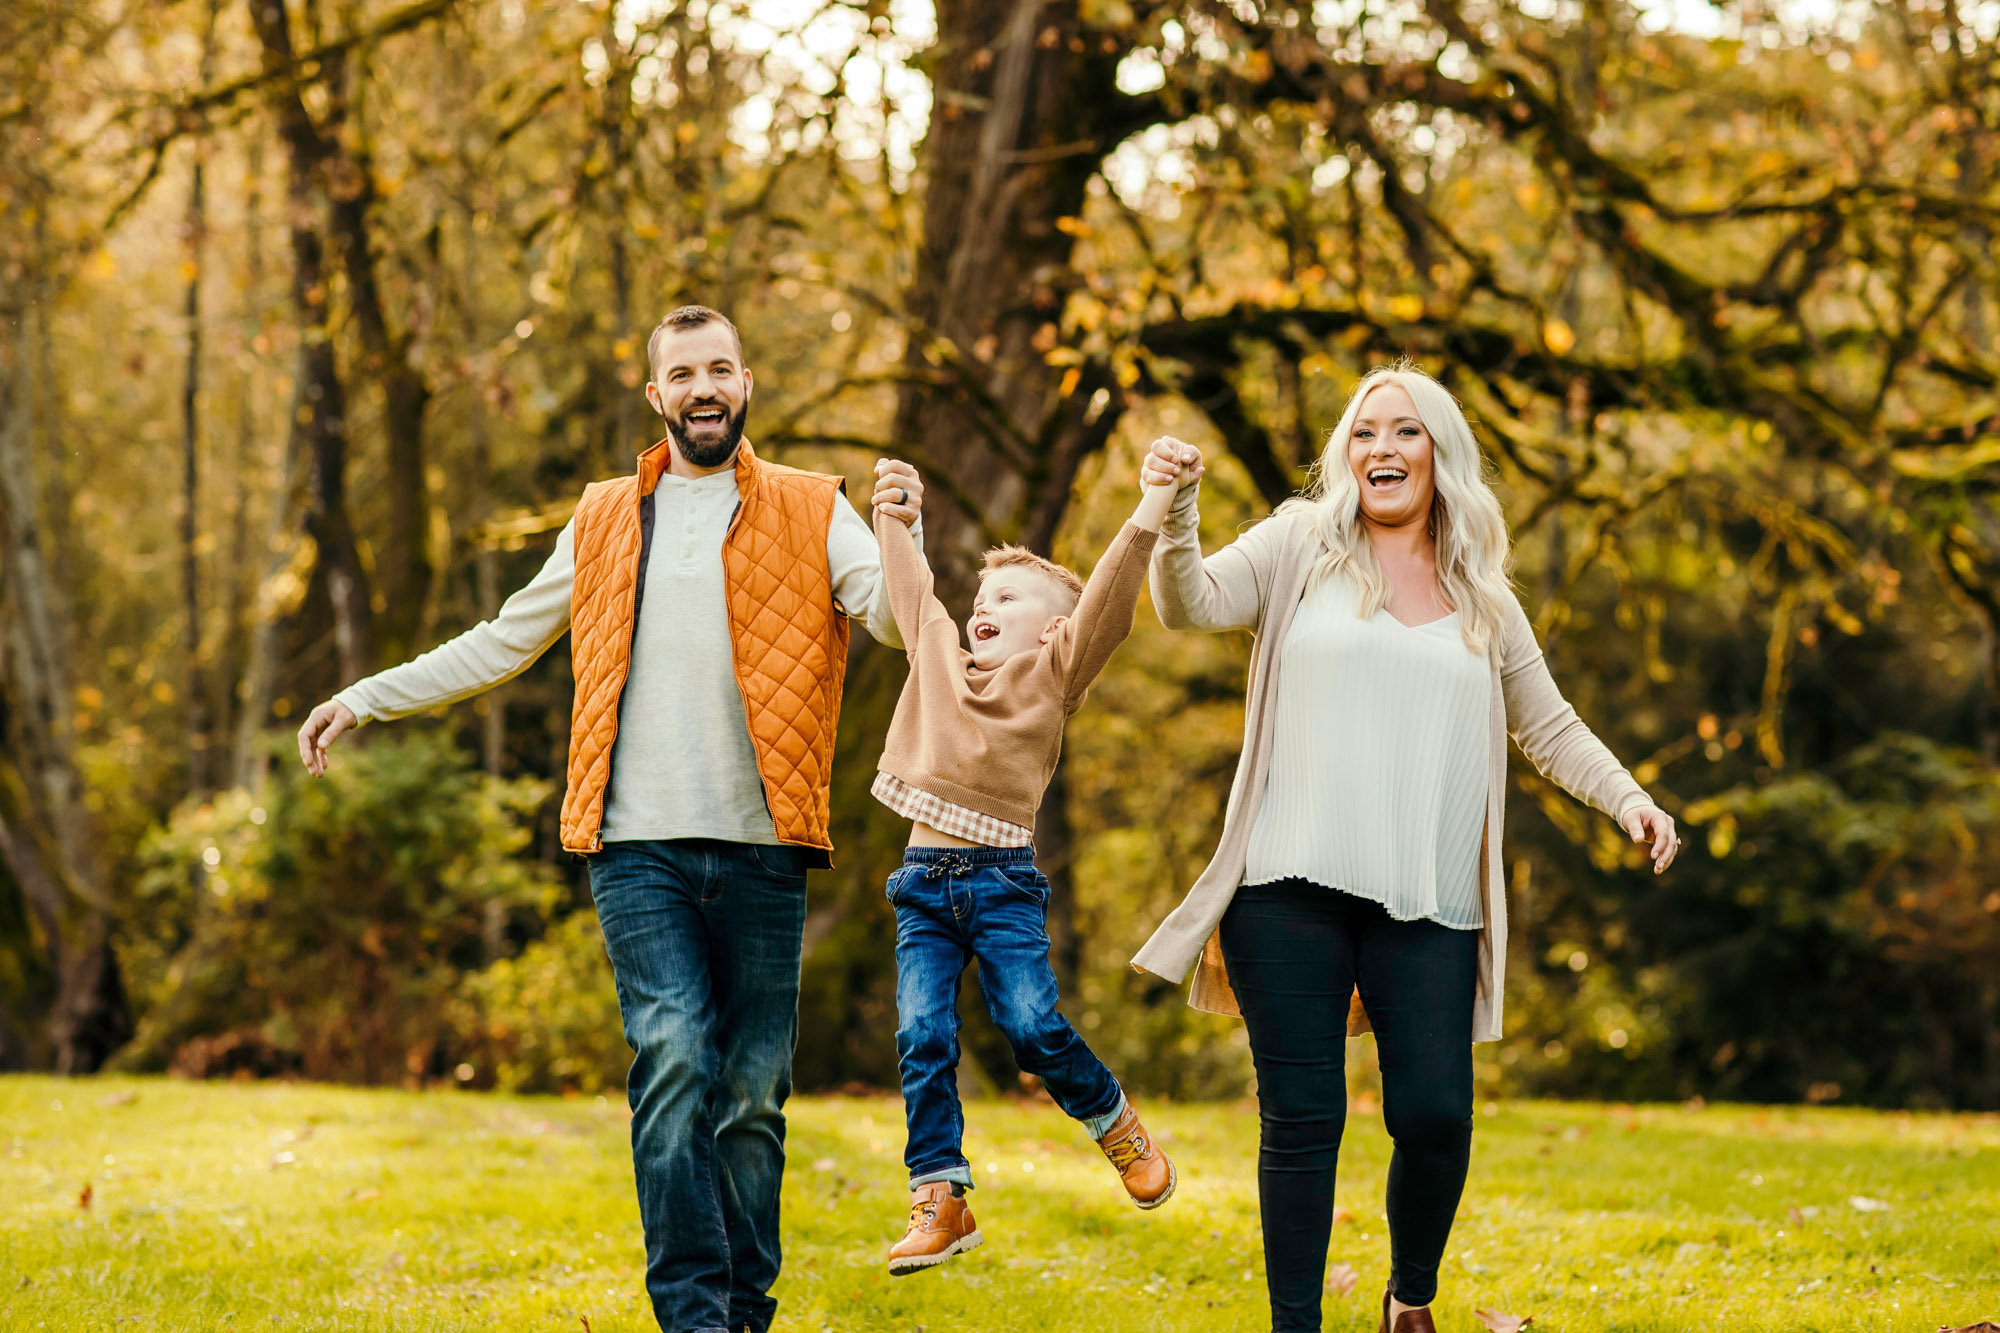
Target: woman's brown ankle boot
<point x="1410" y="1321"/>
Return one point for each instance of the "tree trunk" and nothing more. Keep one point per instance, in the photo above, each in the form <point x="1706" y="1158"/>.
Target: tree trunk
<point x="405" y="566"/>
<point x="194" y="679"/>
<point x="59" y="875"/>
<point x="319" y="408"/>
<point x="243" y="603"/>
<point x="1023" y="96"/>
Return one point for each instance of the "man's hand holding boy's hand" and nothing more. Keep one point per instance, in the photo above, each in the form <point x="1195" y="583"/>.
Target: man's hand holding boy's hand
<point x="899" y="491"/>
<point x="1170" y="462"/>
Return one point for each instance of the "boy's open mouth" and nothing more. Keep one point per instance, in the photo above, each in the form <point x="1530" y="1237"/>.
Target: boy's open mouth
<point x="985" y="630"/>
<point x="1384" y="477"/>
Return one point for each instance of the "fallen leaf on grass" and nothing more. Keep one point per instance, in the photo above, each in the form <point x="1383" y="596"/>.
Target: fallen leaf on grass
<point x="89" y="1192"/>
<point x="363" y="1196"/>
<point x="1794" y="1216"/>
<point x="1503" y="1323"/>
<point x="1341" y="1215"/>
<point x="1341" y="1279"/>
<point x="1983" y="1326"/>
<point x="125" y="1098"/>
<point x="1861" y="1203"/>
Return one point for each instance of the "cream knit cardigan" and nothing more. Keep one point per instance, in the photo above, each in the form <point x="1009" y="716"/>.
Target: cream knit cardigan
<point x="1256" y="583"/>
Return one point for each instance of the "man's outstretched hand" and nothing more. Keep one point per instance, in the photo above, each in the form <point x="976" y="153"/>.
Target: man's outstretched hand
<point x="324" y="724"/>
<point x="899" y="491"/>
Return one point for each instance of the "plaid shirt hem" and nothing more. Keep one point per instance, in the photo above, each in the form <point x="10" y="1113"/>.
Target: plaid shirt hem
<point x="915" y="803"/>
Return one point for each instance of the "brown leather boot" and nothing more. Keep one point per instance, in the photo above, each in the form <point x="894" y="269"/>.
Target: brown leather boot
<point x="1148" y="1175"/>
<point x="1410" y="1321"/>
<point x="941" y="1225"/>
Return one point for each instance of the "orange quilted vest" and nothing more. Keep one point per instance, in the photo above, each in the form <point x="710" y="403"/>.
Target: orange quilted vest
<point x="787" y="637"/>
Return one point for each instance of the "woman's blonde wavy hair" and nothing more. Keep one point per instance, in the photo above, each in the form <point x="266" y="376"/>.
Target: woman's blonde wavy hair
<point x="1474" y="551"/>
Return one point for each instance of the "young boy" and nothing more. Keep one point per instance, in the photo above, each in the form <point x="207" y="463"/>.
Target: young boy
<point x="972" y="747"/>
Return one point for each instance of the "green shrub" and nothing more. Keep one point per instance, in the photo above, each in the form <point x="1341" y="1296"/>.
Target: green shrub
<point x="335" y="917"/>
<point x="547" y="1020"/>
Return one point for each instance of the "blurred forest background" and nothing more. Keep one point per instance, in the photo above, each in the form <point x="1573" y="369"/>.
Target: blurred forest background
<point x="317" y="315"/>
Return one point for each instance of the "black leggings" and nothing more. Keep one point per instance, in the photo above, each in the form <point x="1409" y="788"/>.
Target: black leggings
<point x="1296" y="952"/>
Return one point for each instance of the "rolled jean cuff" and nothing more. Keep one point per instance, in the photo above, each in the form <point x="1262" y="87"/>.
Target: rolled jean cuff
<point x="1098" y="1126"/>
<point x="957" y="1175"/>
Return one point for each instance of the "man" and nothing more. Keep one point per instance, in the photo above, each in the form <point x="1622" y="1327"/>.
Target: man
<point x="707" y="599"/>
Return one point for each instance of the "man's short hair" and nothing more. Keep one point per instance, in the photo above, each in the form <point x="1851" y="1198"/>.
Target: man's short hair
<point x="687" y="317"/>
<point x="1068" y="587"/>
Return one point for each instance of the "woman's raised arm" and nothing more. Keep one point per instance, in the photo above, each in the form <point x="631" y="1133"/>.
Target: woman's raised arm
<point x="1223" y="591"/>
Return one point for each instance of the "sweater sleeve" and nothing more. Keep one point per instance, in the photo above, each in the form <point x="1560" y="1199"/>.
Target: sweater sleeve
<point x="1103" y="616"/>
<point x="489" y="653"/>
<point x="854" y="563"/>
<point x="1221" y="592"/>
<point x="907" y="584"/>
<point x="1550" y="733"/>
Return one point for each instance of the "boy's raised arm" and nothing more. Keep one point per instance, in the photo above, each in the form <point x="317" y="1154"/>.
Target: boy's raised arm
<point x="1103" y="615"/>
<point x="907" y="578"/>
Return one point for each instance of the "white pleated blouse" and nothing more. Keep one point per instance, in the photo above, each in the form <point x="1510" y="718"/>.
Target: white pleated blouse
<point x="1377" y="784"/>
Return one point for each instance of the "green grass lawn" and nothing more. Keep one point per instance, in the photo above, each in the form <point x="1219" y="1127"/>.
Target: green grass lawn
<point x="284" y="1205"/>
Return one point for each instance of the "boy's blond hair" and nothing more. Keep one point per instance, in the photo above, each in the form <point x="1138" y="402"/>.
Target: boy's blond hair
<point x="1068" y="587"/>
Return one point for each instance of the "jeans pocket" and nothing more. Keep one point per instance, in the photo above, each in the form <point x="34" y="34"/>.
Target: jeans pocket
<point x="783" y="861"/>
<point x="899" y="877"/>
<point x="1024" y="879"/>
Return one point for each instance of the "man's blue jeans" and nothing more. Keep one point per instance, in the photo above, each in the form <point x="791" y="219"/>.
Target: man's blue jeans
<point x="704" y="941"/>
<point x="952" y="906"/>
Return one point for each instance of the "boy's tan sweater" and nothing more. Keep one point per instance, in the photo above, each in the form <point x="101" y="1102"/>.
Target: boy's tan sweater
<point x="988" y="739"/>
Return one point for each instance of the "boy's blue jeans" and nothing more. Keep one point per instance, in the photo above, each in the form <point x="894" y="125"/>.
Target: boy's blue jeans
<point x="954" y="905"/>
<point x="704" y="941"/>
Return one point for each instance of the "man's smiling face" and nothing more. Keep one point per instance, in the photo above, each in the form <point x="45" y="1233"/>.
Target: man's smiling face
<point x="702" y="389"/>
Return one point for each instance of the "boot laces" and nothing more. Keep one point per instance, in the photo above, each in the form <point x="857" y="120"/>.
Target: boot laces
<point x="923" y="1212"/>
<point x="1128" y="1149"/>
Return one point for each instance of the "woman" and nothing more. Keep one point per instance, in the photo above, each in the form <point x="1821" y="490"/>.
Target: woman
<point x="1360" y="852"/>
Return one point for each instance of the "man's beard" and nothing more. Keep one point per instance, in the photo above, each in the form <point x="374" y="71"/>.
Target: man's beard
<point x="720" y="449"/>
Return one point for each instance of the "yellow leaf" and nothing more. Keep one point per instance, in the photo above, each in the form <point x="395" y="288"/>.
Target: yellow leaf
<point x="1406" y="308"/>
<point x="189" y="270"/>
<point x="1559" y="336"/>
<point x="1127" y="373"/>
<point x="1072" y="226"/>
<point x="1071" y="378"/>
<point x="90" y="697"/>
<point x="1503" y="1323"/>
<point x="101" y="265"/>
<point x="623" y="348"/>
<point x="687" y="131"/>
<point x="163" y="692"/>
